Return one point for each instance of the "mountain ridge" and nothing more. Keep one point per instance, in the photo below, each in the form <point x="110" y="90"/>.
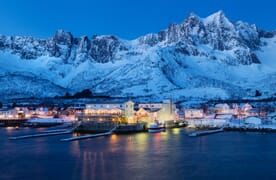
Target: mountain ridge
<point x="199" y="54"/>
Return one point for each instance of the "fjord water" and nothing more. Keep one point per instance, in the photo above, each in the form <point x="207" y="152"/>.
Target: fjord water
<point x="167" y="155"/>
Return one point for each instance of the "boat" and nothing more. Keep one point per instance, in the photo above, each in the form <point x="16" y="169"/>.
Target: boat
<point x="191" y="126"/>
<point x="155" y="127"/>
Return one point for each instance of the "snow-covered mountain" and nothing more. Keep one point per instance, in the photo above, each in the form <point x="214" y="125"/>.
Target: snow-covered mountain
<point x="201" y="58"/>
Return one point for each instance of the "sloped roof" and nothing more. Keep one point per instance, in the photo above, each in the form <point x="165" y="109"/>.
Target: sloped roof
<point x="253" y="120"/>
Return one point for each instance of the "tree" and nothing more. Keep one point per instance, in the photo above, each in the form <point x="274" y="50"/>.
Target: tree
<point x="83" y="94"/>
<point x="205" y="108"/>
<point x="14" y="104"/>
<point x="258" y="93"/>
<point x="67" y="95"/>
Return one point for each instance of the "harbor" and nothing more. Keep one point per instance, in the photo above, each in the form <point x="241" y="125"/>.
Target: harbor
<point x="135" y="117"/>
<point x="137" y="90"/>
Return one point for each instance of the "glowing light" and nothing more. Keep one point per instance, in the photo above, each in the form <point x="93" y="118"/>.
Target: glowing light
<point x="114" y="137"/>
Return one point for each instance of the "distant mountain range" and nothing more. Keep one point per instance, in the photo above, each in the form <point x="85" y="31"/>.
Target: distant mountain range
<point x="201" y="58"/>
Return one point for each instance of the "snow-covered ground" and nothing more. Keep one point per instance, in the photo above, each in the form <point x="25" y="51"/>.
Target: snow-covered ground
<point x="233" y="123"/>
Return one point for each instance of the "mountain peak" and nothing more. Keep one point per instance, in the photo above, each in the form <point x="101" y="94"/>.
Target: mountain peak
<point x="219" y="19"/>
<point x="192" y="19"/>
<point x="219" y="12"/>
<point x="63" y="37"/>
<point x="216" y="17"/>
<point x="193" y="15"/>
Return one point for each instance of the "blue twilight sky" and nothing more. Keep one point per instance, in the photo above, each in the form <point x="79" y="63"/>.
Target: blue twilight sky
<point x="127" y="19"/>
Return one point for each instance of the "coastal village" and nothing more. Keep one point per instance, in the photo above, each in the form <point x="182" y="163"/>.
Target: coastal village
<point x="129" y="116"/>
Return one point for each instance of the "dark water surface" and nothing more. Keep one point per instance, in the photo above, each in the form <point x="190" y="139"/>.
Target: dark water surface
<point x="168" y="155"/>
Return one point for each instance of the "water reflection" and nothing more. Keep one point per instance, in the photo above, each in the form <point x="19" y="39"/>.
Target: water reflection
<point x="168" y="155"/>
<point x="94" y="165"/>
<point x="142" y="142"/>
<point x="201" y="144"/>
<point x="114" y="143"/>
<point x="9" y="130"/>
<point x="114" y="138"/>
<point x="157" y="138"/>
<point x="75" y="147"/>
<point x="176" y="131"/>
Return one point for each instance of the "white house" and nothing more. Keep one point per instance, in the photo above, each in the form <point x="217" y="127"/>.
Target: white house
<point x="193" y="113"/>
<point x="109" y="111"/>
<point x="253" y="120"/>
<point x="162" y="112"/>
<point x="246" y="107"/>
<point x="223" y="109"/>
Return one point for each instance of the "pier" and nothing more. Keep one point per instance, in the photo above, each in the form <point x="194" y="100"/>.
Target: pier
<point x="89" y="136"/>
<point x="56" y="130"/>
<point x="202" y="133"/>
<point x="45" y="133"/>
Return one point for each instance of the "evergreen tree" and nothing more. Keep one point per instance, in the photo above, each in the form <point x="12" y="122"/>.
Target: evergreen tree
<point x="83" y="94"/>
<point x="258" y="93"/>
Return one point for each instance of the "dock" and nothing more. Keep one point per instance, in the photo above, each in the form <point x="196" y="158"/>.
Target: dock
<point x="89" y="136"/>
<point x="41" y="135"/>
<point x="46" y="133"/>
<point x="55" y="130"/>
<point x="202" y="133"/>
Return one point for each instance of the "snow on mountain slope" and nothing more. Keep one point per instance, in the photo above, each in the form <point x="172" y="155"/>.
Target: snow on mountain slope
<point x="201" y="58"/>
<point x="267" y="54"/>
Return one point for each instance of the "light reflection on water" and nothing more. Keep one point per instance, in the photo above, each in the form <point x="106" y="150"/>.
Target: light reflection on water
<point x="176" y="131"/>
<point x="166" y="155"/>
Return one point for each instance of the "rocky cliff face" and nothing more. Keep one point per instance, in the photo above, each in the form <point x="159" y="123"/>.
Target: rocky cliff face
<point x="174" y="60"/>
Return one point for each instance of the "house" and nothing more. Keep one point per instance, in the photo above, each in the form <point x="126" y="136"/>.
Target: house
<point x="193" y="113"/>
<point x="223" y="109"/>
<point x="247" y="110"/>
<point x="167" y="112"/>
<point x="246" y="107"/>
<point x="162" y="112"/>
<point x="253" y="121"/>
<point x="16" y="113"/>
<point x="143" y="115"/>
<point x="148" y="112"/>
<point x="108" y="112"/>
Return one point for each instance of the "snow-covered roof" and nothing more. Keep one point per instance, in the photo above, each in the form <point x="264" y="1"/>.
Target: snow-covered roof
<point x="221" y="105"/>
<point x="152" y="109"/>
<point x="253" y="120"/>
<point x="104" y="108"/>
<point x="247" y="106"/>
<point x="193" y="109"/>
<point x="223" y="116"/>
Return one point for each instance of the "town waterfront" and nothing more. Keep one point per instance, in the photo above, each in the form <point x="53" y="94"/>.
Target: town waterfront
<point x="166" y="155"/>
